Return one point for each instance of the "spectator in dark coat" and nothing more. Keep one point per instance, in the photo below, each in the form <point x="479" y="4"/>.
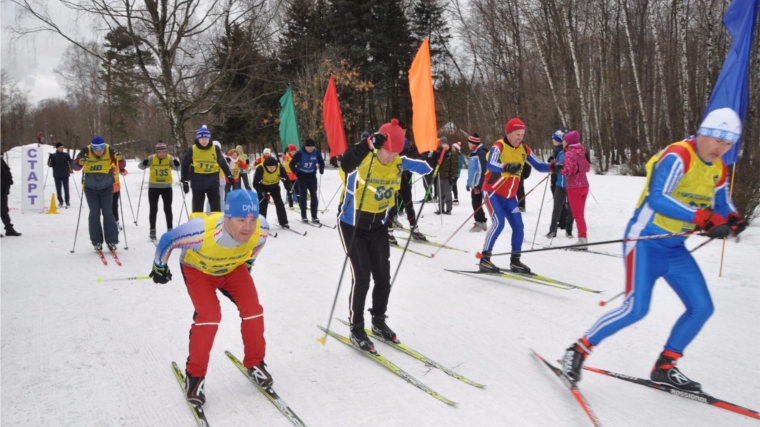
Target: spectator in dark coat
<point x="60" y="161"/>
<point x="6" y="180"/>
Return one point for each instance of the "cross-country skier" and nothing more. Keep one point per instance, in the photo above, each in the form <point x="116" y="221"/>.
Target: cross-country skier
<point x="505" y="164"/>
<point x="305" y="164"/>
<point x="686" y="187"/>
<point x="290" y="184"/>
<point x="266" y="182"/>
<point x="373" y="176"/>
<point x="476" y="170"/>
<point x="97" y="160"/>
<point x="244" y="158"/>
<point x="218" y="251"/>
<point x="207" y="160"/>
<point x="160" y="184"/>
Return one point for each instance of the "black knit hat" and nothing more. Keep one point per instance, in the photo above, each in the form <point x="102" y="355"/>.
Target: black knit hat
<point x="58" y="144"/>
<point x="309" y="143"/>
<point x="270" y="161"/>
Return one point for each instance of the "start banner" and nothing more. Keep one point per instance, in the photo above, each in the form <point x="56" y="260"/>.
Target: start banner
<point x="32" y="176"/>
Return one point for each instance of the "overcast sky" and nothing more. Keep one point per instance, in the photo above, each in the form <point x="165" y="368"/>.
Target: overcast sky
<point x="31" y="61"/>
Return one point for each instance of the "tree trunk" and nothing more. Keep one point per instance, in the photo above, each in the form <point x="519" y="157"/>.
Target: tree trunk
<point x="569" y="22"/>
<point x="681" y="16"/>
<point x="642" y="111"/>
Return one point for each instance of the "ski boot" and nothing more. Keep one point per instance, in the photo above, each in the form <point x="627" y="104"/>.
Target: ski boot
<point x="551" y="234"/>
<point x="569" y="234"/>
<point x="665" y="372"/>
<point x="517" y="266"/>
<point x="112" y="247"/>
<point x="118" y="225"/>
<point x="194" y="389"/>
<point x="455" y="202"/>
<point x="581" y="241"/>
<point x="396" y="223"/>
<point x="315" y="220"/>
<point x="416" y="235"/>
<point x="152" y="234"/>
<point x="379" y="327"/>
<point x="392" y="239"/>
<point x="12" y="232"/>
<point x="60" y="205"/>
<point x="486" y="266"/>
<point x="576" y="354"/>
<point x="260" y="375"/>
<point x="360" y="339"/>
<point x="285" y="226"/>
<point x="67" y="205"/>
<point x="98" y="247"/>
<point x="476" y="228"/>
<point x="304" y="220"/>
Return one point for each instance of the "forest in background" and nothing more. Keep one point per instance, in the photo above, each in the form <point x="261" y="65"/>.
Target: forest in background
<point x="630" y="75"/>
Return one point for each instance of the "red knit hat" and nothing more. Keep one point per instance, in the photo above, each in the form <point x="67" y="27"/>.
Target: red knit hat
<point x="513" y="125"/>
<point x="292" y="147"/>
<point x="395" y="142"/>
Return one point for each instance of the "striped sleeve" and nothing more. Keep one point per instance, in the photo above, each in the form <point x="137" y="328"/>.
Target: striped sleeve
<point x="187" y="236"/>
<point x="666" y="176"/>
<point x="493" y="158"/>
<point x="723" y="203"/>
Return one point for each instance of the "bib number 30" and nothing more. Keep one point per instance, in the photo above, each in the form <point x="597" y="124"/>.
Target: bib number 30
<point x="383" y="193"/>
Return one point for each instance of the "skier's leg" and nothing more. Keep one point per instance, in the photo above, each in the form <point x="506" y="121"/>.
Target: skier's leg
<point x="240" y="289"/>
<point x="202" y="290"/>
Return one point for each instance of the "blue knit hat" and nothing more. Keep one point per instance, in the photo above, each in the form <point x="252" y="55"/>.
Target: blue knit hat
<point x="241" y="204"/>
<point x="98" y="143"/>
<point x="203" y="132"/>
<point x="559" y="134"/>
<point x="365" y="135"/>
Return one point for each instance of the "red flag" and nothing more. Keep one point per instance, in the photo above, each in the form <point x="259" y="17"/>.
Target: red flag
<point x="336" y="134"/>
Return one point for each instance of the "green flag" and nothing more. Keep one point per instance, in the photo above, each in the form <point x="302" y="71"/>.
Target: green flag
<point x="288" y="121"/>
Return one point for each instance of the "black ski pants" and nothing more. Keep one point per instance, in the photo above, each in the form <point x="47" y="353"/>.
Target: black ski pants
<point x="308" y="182"/>
<point x="166" y="196"/>
<point x="62" y="182"/>
<point x="5" y="212"/>
<point x="199" y="198"/>
<point x="290" y="188"/>
<point x="404" y="201"/>
<point x="477" y="200"/>
<point x="369" y="256"/>
<point x="561" y="209"/>
<point x="274" y="191"/>
<point x="100" y="203"/>
<point x="115" y="205"/>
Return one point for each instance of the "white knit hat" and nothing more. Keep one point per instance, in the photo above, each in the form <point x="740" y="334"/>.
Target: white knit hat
<point x="722" y="123"/>
<point x="267" y="151"/>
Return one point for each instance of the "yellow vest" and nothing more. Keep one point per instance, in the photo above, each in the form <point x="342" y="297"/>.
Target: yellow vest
<point x="270" y="178"/>
<point x="511" y="155"/>
<point x="382" y="186"/>
<point x="204" y="161"/>
<point x="100" y="164"/>
<point x="235" y="169"/>
<point x="696" y="188"/>
<point x="161" y="170"/>
<point x="216" y="260"/>
<point x="288" y="158"/>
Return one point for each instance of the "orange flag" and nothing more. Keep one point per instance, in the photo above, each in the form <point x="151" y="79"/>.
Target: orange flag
<point x="336" y="134"/>
<point x="423" y="103"/>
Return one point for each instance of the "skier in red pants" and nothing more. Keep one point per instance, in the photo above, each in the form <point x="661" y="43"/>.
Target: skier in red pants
<point x="218" y="251"/>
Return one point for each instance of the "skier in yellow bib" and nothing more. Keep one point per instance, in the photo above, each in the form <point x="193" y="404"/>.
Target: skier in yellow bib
<point x="160" y="184"/>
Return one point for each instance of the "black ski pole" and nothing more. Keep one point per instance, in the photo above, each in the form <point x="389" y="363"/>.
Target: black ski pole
<point x="139" y="198"/>
<point x="350" y="246"/>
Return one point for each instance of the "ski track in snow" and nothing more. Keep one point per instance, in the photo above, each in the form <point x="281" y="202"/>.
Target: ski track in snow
<point x="80" y="353"/>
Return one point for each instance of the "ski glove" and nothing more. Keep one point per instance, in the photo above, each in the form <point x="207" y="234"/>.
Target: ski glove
<point x="736" y="222"/>
<point x="453" y="181"/>
<point x="512" y="168"/>
<point x="249" y="265"/>
<point x="185" y="187"/>
<point x="146" y="162"/>
<point x="176" y="162"/>
<point x="467" y="187"/>
<point x="556" y="167"/>
<point x="714" y="225"/>
<point x="160" y="275"/>
<point x="377" y="140"/>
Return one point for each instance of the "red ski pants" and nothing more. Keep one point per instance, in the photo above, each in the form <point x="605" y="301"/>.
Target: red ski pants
<point x="577" y="199"/>
<point x="239" y="288"/>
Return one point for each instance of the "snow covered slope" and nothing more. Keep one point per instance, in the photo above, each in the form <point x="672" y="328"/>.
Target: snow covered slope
<point x="76" y="352"/>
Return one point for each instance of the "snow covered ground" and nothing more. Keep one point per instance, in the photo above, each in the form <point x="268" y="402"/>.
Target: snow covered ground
<point x="76" y="352"/>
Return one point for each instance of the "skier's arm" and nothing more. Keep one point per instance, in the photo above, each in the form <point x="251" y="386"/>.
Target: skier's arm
<point x="723" y="203"/>
<point x="321" y="162"/>
<point x="416" y="166"/>
<point x="258" y="175"/>
<point x="222" y="163"/>
<point x="493" y="159"/>
<point x="666" y="175"/>
<point x="188" y="235"/>
<point x="186" y="162"/>
<point x="295" y="161"/>
<point x="50" y="160"/>
<point x="76" y="164"/>
<point x="264" y="230"/>
<point x="353" y="156"/>
<point x="283" y="174"/>
<point x="145" y="163"/>
<point x="481" y="169"/>
<point x="174" y="163"/>
<point x="536" y="162"/>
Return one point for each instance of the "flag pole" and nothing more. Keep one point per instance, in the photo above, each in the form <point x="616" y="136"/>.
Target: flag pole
<point x="730" y="194"/>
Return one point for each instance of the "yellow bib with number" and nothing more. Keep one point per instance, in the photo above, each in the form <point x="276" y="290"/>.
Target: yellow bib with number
<point x="381" y="186"/>
<point x="204" y="161"/>
<point x="511" y="155"/>
<point x="100" y="164"/>
<point x="217" y="260"/>
<point x="696" y="188"/>
<point x="161" y="170"/>
<point x="270" y="178"/>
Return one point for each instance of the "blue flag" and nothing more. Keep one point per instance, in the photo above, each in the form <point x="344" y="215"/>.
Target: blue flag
<point x="732" y="88"/>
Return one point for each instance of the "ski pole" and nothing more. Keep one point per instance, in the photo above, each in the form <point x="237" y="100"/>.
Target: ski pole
<point x="139" y="198"/>
<point x="350" y="246"/>
<point x="130" y="201"/>
<point x="79" y="217"/>
<point x="592" y="195"/>
<point x="419" y="215"/>
<point x="184" y="204"/>
<point x="606" y="242"/>
<point x="100" y="279"/>
<point x="331" y="199"/>
<point x="603" y="303"/>
<point x="75" y="183"/>
<point x="479" y="208"/>
<point x="124" y="229"/>
<point x="539" y="212"/>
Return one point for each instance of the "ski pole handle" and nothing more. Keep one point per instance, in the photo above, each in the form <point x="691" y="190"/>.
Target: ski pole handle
<point x="100" y="279"/>
<point x="603" y="303"/>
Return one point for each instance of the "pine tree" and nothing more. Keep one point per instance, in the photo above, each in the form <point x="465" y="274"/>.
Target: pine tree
<point x="428" y="22"/>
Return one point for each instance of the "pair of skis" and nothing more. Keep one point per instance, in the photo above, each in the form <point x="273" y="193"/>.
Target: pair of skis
<point x="200" y="415"/>
<point x="695" y="396"/>
<point x="105" y="261"/>
<point x="528" y="277"/>
<point x="382" y="360"/>
<point x="588" y="251"/>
